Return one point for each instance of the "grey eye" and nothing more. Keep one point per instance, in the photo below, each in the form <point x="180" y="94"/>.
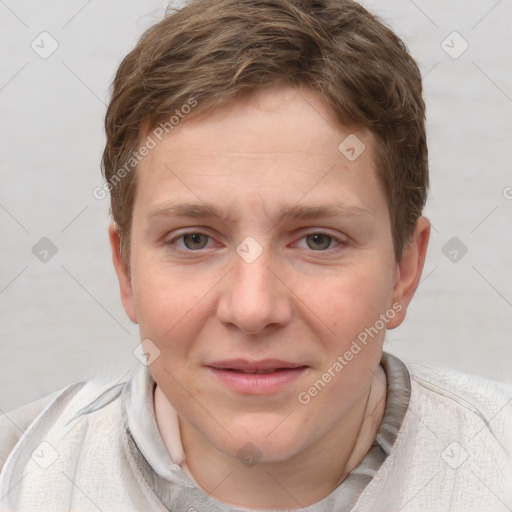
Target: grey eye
<point x="195" y="241"/>
<point x="318" y="241"/>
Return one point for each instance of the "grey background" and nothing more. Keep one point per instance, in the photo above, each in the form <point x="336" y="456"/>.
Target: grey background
<point x="62" y="320"/>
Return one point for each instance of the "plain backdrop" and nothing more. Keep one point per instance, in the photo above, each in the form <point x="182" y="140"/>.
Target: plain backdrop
<point x="61" y="316"/>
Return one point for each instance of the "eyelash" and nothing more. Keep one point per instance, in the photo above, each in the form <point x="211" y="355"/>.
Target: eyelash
<point x="341" y="243"/>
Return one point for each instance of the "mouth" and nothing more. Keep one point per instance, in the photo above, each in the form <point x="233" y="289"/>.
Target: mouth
<point x="262" y="367"/>
<point x="255" y="372"/>
<point x="257" y="377"/>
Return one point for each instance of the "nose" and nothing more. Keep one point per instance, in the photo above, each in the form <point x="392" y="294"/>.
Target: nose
<point x="254" y="297"/>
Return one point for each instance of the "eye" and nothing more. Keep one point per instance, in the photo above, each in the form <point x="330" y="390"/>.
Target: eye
<point x="319" y="242"/>
<point x="192" y="241"/>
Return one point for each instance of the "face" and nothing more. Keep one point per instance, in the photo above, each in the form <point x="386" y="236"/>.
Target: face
<point x="259" y="254"/>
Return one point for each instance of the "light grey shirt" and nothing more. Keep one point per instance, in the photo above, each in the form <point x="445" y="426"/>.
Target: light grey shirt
<point x="443" y="446"/>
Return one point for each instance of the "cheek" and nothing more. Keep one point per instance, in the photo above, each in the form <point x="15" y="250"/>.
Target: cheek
<point x="172" y="311"/>
<point x="348" y="301"/>
<point x="351" y="306"/>
<point x="168" y="302"/>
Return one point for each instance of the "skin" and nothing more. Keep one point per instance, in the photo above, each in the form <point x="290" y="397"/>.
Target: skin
<point x="304" y="299"/>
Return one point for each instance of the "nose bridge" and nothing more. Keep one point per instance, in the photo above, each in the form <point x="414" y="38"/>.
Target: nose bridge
<point x="253" y="298"/>
<point x="253" y="278"/>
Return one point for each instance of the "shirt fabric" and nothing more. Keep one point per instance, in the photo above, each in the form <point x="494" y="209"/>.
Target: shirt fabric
<point x="443" y="445"/>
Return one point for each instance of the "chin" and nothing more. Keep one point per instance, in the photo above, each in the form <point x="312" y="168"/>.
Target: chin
<point x="267" y="441"/>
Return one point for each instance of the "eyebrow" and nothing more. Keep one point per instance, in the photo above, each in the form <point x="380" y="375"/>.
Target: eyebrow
<point x="205" y="210"/>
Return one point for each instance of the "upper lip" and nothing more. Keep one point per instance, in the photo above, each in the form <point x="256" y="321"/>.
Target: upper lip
<point x="253" y="366"/>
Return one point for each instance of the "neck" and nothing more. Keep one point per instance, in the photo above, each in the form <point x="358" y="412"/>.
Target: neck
<point x="300" y="481"/>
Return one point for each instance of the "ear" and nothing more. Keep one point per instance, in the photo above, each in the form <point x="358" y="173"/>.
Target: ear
<point x="123" y="274"/>
<point x="409" y="271"/>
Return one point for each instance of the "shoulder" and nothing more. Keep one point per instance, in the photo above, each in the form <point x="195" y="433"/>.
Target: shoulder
<point x="463" y="424"/>
<point x="54" y="413"/>
<point x="14" y="424"/>
<point x="452" y="452"/>
<point x="78" y="431"/>
<point x="468" y="397"/>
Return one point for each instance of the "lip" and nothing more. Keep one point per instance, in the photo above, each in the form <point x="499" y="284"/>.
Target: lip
<point x="242" y="376"/>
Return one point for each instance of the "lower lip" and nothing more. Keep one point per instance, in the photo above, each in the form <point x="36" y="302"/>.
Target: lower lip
<point x="258" y="384"/>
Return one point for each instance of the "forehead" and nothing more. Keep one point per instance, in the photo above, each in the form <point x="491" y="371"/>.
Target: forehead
<point x="277" y="145"/>
<point x="272" y="120"/>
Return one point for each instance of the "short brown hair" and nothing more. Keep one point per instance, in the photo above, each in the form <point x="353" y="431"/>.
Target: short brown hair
<point x="216" y="50"/>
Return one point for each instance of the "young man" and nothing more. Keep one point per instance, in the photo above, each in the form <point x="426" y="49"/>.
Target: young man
<point x="267" y="164"/>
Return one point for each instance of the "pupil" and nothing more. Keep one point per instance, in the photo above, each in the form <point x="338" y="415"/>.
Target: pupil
<point x="319" y="241"/>
<point x="195" y="241"/>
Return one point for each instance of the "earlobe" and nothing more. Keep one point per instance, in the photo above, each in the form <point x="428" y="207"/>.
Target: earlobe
<point x="123" y="274"/>
<point x="409" y="270"/>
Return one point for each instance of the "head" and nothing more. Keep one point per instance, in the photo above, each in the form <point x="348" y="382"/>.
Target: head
<point x="267" y="163"/>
